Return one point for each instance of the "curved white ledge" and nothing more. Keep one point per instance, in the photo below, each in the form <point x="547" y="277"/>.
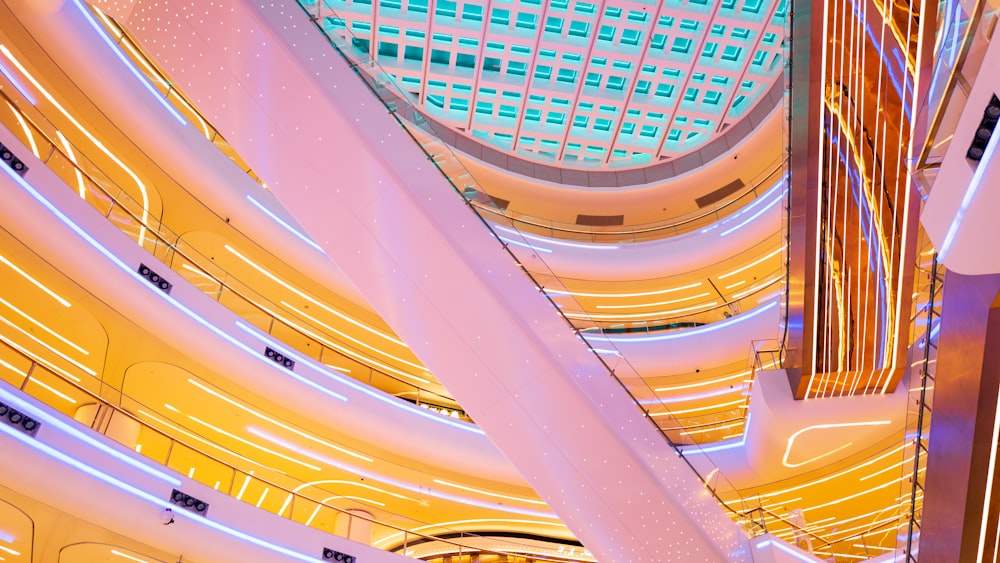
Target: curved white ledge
<point x="103" y="260"/>
<point x="661" y="258"/>
<point x="91" y="477"/>
<point x="960" y="213"/>
<point x="786" y="438"/>
<point x="679" y="351"/>
<point x="63" y="30"/>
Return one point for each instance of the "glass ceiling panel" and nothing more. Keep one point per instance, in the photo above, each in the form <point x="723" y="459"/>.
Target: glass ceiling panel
<point x="601" y="84"/>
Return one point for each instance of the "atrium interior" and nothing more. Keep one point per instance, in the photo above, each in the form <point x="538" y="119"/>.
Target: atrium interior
<point x="499" y="281"/>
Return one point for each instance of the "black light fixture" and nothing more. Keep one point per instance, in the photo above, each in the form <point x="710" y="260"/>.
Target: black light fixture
<point x="19" y="420"/>
<point x="8" y="158"/>
<point x="279" y="358"/>
<point x="984" y="131"/>
<point x="188" y="502"/>
<point x="155" y="279"/>
<point x="334" y="555"/>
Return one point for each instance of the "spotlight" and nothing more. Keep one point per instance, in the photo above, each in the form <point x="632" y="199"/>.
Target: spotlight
<point x="188" y="502"/>
<point x="279" y="358"/>
<point x="984" y="131"/>
<point x="19" y="420"/>
<point x="7" y="156"/>
<point x="155" y="279"/>
<point x="334" y="555"/>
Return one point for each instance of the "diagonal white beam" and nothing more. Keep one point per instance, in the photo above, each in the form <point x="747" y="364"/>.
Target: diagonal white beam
<point x="439" y="278"/>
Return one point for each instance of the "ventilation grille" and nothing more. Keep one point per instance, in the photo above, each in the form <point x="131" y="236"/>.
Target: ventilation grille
<point x="721" y="193"/>
<point x="600" y="220"/>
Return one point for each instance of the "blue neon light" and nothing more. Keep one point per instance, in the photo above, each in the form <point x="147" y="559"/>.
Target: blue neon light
<point x="525" y="245"/>
<point x="5" y="537"/>
<point x="782" y="547"/>
<point x="17" y="84"/>
<point x="128" y="64"/>
<point x="46" y="418"/>
<point x="970" y="193"/>
<point x="555" y="241"/>
<point x="778" y="185"/>
<point x="689" y="332"/>
<point x="751" y="218"/>
<point x="282" y="222"/>
<point x="143" y="495"/>
<point x="727" y="445"/>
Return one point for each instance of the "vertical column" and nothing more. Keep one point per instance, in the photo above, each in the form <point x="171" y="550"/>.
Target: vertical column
<point x="960" y="488"/>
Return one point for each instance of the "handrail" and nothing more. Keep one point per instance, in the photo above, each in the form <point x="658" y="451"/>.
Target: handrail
<point x="179" y="447"/>
<point x="641" y="232"/>
<point x="167" y="246"/>
<point x="159" y="80"/>
<point x="927" y="376"/>
<point x="949" y="86"/>
<point x="726" y="309"/>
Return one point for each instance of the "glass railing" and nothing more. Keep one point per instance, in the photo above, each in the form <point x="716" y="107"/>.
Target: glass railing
<point x="763" y="292"/>
<point x="114" y="203"/>
<point x="925" y="324"/>
<point x="230" y="473"/>
<point x="682" y="224"/>
<point x="963" y="30"/>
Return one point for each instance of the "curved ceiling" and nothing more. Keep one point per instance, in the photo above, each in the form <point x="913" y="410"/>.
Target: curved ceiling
<point x="604" y="84"/>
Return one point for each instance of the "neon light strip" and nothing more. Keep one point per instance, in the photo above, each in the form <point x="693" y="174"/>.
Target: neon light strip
<point x="52" y="390"/>
<point x="282" y="222"/>
<point x="780" y="546"/>
<point x="42" y="326"/>
<point x="527" y="245"/>
<point x="128" y="171"/>
<point x="126" y="556"/>
<point x="17" y="84"/>
<point x="34" y="282"/>
<point x="390" y="481"/>
<point x="687" y="332"/>
<point x="311" y="299"/>
<point x="101" y="32"/>
<point x="702" y="383"/>
<point x="987" y="497"/>
<point x="49" y="347"/>
<point x="488" y="493"/>
<point x="970" y="193"/>
<point x="27" y="130"/>
<point x="375" y="394"/>
<point x="555" y="241"/>
<point x="639" y="294"/>
<point x="81" y="186"/>
<point x="145" y="496"/>
<point x="754" y="216"/>
<point x="352" y="484"/>
<point x="668" y="302"/>
<point x="752" y="264"/>
<point x="209" y="443"/>
<point x="33" y="411"/>
<point x="277" y="423"/>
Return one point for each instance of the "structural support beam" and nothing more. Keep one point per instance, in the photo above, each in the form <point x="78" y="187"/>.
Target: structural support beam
<point x="962" y="493"/>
